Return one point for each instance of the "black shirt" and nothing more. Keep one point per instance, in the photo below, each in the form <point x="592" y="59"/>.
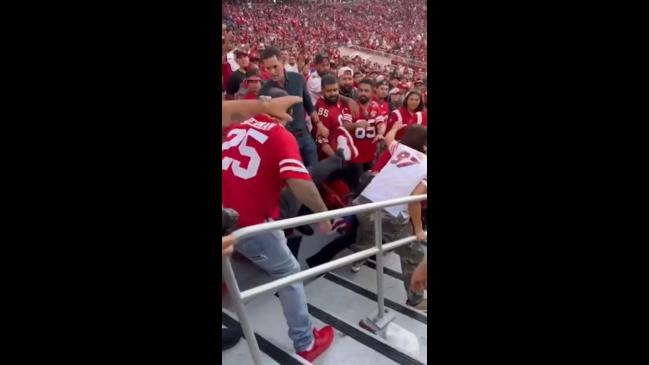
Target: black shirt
<point x="294" y="85"/>
<point x="351" y="94"/>
<point x="235" y="82"/>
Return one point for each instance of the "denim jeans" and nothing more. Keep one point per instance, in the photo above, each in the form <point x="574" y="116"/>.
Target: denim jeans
<point x="308" y="149"/>
<point x="270" y="252"/>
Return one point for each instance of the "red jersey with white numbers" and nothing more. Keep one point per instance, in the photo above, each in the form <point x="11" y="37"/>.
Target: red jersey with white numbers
<point x="333" y="116"/>
<point x="259" y="155"/>
<point x="363" y="137"/>
<point x="407" y="118"/>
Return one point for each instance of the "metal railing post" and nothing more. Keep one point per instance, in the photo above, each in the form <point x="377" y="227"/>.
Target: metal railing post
<point x="378" y="240"/>
<point x="240" y="308"/>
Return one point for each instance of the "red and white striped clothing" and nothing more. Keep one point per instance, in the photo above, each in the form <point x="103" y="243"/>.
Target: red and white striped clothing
<point x="333" y="116"/>
<point x="407" y="118"/>
<point x="259" y="155"/>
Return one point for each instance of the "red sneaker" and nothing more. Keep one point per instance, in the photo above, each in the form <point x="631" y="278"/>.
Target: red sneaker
<point x="323" y="339"/>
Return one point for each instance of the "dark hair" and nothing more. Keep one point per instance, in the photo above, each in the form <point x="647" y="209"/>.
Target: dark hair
<point x="252" y="71"/>
<point x="415" y="137"/>
<point x="275" y="92"/>
<point x="367" y="82"/>
<point x="420" y="107"/>
<point x="320" y="57"/>
<point x="394" y="76"/>
<point x="269" y="53"/>
<point x="328" y="79"/>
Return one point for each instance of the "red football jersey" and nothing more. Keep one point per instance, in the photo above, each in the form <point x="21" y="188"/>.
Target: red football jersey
<point x="258" y="156"/>
<point x="384" y="107"/>
<point x="406" y="118"/>
<point x="333" y="117"/>
<point x="363" y="137"/>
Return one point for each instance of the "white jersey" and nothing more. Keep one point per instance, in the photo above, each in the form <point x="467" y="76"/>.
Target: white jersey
<point x="400" y="176"/>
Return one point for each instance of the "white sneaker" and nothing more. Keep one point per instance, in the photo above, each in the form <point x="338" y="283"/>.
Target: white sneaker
<point x="356" y="266"/>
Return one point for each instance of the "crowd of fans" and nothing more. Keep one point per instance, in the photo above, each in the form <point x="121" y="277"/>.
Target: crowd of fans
<point x="397" y="28"/>
<point x="357" y="133"/>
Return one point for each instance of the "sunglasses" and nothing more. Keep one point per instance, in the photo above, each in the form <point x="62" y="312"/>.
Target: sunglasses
<point x="252" y="81"/>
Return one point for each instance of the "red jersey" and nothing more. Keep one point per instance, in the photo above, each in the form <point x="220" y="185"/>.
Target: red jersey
<point x="264" y="74"/>
<point x="226" y="70"/>
<point x="250" y="96"/>
<point x="384" y="107"/>
<point x="406" y="118"/>
<point x="363" y="137"/>
<point x="382" y="161"/>
<point x="258" y="156"/>
<point x="333" y="116"/>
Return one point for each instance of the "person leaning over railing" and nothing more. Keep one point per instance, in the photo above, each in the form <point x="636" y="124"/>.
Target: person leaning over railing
<point x="253" y="190"/>
<point x="235" y="112"/>
<point x="404" y="173"/>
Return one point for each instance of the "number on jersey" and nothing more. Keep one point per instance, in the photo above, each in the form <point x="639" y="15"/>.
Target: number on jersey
<point x="323" y="112"/>
<point x="368" y="132"/>
<point x="404" y="159"/>
<point x="240" y="139"/>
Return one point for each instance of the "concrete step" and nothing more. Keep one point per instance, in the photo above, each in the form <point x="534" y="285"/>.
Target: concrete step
<point x="268" y="321"/>
<point x="348" y="307"/>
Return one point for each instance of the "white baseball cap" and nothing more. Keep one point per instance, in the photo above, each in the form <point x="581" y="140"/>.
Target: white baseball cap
<point x="343" y="70"/>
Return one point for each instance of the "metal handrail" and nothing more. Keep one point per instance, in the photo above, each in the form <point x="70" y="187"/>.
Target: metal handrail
<point x="239" y="297"/>
<point x="317" y="217"/>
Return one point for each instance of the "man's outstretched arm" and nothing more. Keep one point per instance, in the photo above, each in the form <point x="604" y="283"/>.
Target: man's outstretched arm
<point x="236" y="111"/>
<point x="307" y="193"/>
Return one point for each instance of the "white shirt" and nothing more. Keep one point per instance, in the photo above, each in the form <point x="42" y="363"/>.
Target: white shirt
<point x="399" y="178"/>
<point x="314" y="86"/>
<point x="232" y="61"/>
<point x="288" y="67"/>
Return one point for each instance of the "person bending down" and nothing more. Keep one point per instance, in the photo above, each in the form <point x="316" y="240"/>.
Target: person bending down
<point x="402" y="175"/>
<point x="260" y="157"/>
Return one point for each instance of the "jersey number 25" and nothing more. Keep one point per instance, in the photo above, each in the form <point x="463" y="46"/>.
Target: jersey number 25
<point x="240" y="139"/>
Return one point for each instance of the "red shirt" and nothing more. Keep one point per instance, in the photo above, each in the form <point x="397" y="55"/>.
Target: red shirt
<point x="250" y="96"/>
<point x="363" y="137"/>
<point x="384" y="106"/>
<point x="264" y="74"/>
<point x="382" y="161"/>
<point x="407" y="118"/>
<point x="226" y="70"/>
<point x="333" y="116"/>
<point x="258" y="156"/>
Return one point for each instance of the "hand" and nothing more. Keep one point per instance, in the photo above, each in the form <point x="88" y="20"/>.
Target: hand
<point x="322" y="130"/>
<point x="398" y="125"/>
<point x="421" y="236"/>
<point x="315" y="119"/>
<point x="277" y="107"/>
<point x="227" y="245"/>
<point x="419" y="279"/>
<point x="325" y="227"/>
<point x="362" y="124"/>
<point x="379" y="137"/>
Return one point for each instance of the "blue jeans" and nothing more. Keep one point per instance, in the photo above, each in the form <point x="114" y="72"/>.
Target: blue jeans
<point x="270" y="252"/>
<point x="308" y="149"/>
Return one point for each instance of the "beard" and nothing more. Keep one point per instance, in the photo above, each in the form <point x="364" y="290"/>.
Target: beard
<point x="363" y="99"/>
<point x="331" y="99"/>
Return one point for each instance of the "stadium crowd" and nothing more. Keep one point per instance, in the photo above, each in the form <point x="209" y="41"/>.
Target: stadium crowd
<point x="356" y="133"/>
<point x="398" y="28"/>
